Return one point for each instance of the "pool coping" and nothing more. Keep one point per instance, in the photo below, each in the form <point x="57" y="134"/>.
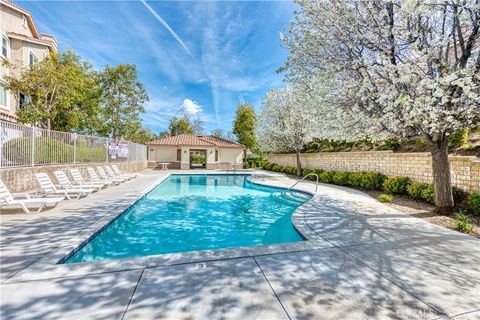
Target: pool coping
<point x="48" y="266"/>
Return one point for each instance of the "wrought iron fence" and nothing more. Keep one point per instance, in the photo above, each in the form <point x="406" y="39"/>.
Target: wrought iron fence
<point x="22" y="145"/>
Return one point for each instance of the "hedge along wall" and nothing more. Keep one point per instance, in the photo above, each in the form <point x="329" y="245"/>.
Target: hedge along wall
<point x="22" y="179"/>
<point x="416" y="166"/>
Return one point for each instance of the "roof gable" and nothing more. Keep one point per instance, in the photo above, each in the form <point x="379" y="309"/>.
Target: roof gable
<point x="191" y="140"/>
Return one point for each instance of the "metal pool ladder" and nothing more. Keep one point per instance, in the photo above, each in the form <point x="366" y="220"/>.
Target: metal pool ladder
<point x="309" y="174"/>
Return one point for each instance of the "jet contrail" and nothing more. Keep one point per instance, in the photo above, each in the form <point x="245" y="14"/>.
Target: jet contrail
<point x="165" y="24"/>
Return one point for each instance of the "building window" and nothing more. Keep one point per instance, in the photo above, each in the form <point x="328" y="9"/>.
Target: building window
<point x="23" y="100"/>
<point x="3" y="96"/>
<point x="32" y="59"/>
<point x="216" y="155"/>
<point x="24" y="21"/>
<point x="5" y="46"/>
<point x="179" y="154"/>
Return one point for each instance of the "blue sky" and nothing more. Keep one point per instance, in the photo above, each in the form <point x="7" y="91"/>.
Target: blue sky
<point x="201" y="58"/>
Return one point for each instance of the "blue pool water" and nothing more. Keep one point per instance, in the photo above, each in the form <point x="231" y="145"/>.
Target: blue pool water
<point x="196" y="212"/>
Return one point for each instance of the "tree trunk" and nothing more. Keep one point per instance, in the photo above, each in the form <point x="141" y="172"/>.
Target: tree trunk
<point x="299" y="164"/>
<point x="441" y="176"/>
<point x="49" y="125"/>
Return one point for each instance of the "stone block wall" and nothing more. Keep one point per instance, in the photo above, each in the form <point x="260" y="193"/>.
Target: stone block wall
<point x="417" y="166"/>
<point x="22" y="179"/>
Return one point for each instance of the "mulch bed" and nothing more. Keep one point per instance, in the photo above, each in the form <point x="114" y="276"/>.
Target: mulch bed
<point x="425" y="211"/>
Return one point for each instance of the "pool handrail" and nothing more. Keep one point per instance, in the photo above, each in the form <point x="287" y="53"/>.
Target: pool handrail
<point x="303" y="178"/>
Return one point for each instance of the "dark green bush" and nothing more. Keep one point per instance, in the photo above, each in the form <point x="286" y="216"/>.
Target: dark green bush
<point x="462" y="223"/>
<point x="256" y="162"/>
<point x="312" y="177"/>
<point x="355" y="178"/>
<point x="307" y="171"/>
<point x="392" y="143"/>
<point x="428" y="194"/>
<point x="396" y="184"/>
<point x="341" y="178"/>
<point x="289" y="170"/>
<point x="372" y="180"/>
<point x="385" y="198"/>
<point x="474" y="202"/>
<point x="415" y="189"/>
<point x="327" y="176"/>
<point x="275" y="167"/>
<point x="458" y="194"/>
<point x="458" y="138"/>
<point x="260" y="163"/>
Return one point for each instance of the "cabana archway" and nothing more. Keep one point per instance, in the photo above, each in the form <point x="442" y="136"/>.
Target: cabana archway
<point x="198" y="158"/>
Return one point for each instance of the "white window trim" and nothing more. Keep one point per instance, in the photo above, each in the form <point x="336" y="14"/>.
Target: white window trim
<point x="24" y="21"/>
<point x="4" y="36"/>
<point x="7" y="106"/>
<point x="30" y="52"/>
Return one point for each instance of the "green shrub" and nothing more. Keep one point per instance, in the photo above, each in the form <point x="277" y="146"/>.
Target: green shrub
<point x="327" y="176"/>
<point x="307" y="171"/>
<point x="392" y="143"/>
<point x="289" y="170"/>
<point x="261" y="163"/>
<point x="372" y="180"/>
<point x="428" y="194"/>
<point x="341" y="178"/>
<point x="276" y="168"/>
<point x="474" y="202"/>
<point x="355" y="178"/>
<point x="458" y="138"/>
<point x="268" y="166"/>
<point x="458" y="194"/>
<point x="462" y="223"/>
<point x="199" y="159"/>
<point x="396" y="184"/>
<point x="385" y="198"/>
<point x="256" y="162"/>
<point x="415" y="189"/>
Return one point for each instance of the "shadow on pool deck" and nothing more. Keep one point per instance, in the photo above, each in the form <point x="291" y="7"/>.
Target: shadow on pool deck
<point x="385" y="265"/>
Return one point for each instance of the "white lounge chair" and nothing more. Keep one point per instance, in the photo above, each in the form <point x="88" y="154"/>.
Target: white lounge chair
<point x="77" y="177"/>
<point x="7" y="199"/>
<point x="48" y="188"/>
<point x="65" y="182"/>
<point x="105" y="176"/>
<point x="122" y="173"/>
<point x="95" y="178"/>
<point x="112" y="174"/>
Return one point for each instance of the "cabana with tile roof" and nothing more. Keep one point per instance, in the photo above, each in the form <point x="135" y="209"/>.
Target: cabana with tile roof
<point x="178" y="151"/>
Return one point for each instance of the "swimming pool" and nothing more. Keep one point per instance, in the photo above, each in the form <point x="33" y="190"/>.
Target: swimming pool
<point x="197" y="212"/>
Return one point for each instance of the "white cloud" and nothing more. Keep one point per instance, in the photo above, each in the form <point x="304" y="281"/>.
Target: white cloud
<point x="190" y="107"/>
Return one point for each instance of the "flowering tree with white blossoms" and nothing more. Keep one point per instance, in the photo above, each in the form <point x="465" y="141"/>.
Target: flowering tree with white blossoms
<point x="409" y="68"/>
<point x="287" y="121"/>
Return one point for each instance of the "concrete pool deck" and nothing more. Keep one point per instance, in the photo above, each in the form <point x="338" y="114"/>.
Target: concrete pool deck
<point x="365" y="260"/>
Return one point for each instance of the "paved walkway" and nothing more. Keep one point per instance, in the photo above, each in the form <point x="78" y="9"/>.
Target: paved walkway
<point x="367" y="261"/>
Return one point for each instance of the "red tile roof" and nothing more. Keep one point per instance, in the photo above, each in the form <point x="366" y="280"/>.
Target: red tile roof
<point x="190" y="140"/>
<point x="8" y="114"/>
